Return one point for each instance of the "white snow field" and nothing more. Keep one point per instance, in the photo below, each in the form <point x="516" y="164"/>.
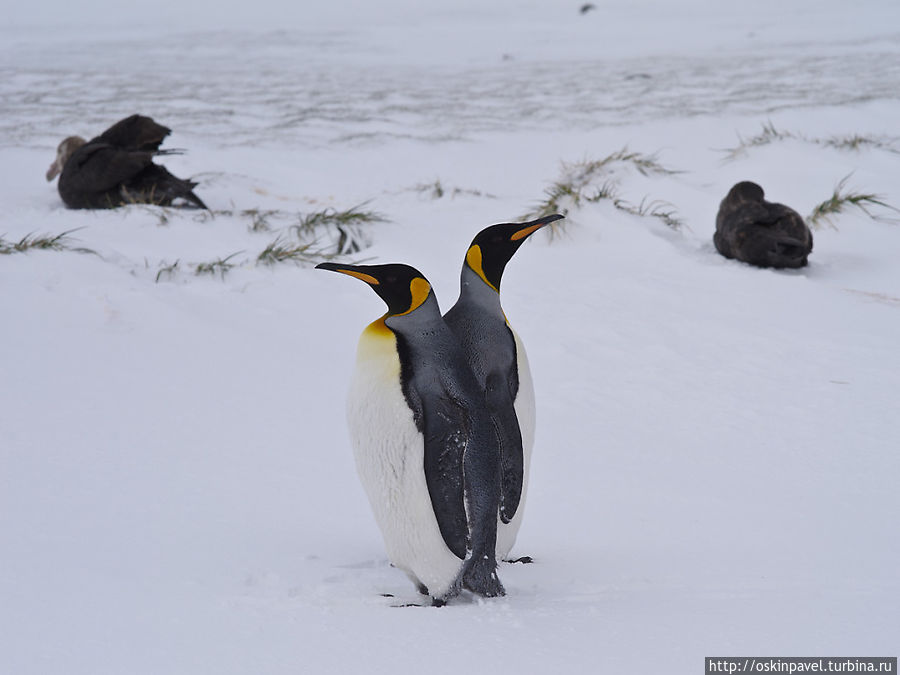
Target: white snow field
<point x="718" y="446"/>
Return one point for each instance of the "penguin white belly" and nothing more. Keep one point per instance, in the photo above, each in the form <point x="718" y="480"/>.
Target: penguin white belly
<point x="525" y="412"/>
<point x="389" y="451"/>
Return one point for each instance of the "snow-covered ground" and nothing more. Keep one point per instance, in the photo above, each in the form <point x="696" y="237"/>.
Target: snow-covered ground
<point x="718" y="447"/>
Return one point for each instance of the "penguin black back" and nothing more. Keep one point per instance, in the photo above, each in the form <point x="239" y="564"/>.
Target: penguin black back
<point x="498" y="359"/>
<point x="760" y="233"/>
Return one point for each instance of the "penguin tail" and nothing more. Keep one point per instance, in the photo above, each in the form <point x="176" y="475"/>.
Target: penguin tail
<point x="480" y="576"/>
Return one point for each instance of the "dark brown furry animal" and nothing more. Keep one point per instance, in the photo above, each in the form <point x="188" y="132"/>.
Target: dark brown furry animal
<point x="757" y="232"/>
<point x="117" y="168"/>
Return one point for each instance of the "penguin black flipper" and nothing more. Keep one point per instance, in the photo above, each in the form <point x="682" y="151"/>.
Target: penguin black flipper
<point x="462" y="473"/>
<point x="444" y="429"/>
<point x="500" y="398"/>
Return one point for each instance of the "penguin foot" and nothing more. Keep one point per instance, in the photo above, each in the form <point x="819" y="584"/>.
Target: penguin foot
<point x="482" y="579"/>
<point x="525" y="560"/>
<point x="422" y="588"/>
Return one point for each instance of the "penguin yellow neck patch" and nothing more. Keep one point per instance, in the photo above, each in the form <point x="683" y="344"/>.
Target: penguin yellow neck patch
<point x="524" y="232"/>
<point x="473" y="260"/>
<point x="378" y="328"/>
<point x="418" y="290"/>
<point x="368" y="278"/>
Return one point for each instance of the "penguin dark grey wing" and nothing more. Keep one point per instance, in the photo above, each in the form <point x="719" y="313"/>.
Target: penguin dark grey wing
<point x="498" y="360"/>
<point x="117" y="168"/>
<point x="760" y="233"/>
<point x="424" y="443"/>
<point x="500" y="397"/>
<point x="444" y="425"/>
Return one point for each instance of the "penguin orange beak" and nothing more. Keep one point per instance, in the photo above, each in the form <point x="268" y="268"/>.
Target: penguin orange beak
<point x="348" y="269"/>
<point x="533" y="226"/>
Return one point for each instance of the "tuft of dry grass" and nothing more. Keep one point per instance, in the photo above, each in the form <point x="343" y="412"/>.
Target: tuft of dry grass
<point x="842" y="198"/>
<point x="168" y="270"/>
<point x="280" y="251"/>
<point x="333" y="217"/>
<point x="579" y="185"/>
<point x="436" y="190"/>
<point x="344" y="228"/>
<point x="769" y="134"/>
<point x="304" y="239"/>
<point x="59" y="242"/>
<point x="658" y="209"/>
<point x="259" y="219"/>
<point x="219" y="266"/>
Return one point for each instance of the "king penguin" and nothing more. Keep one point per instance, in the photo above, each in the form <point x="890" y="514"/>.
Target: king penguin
<point x="425" y="447"/>
<point x="497" y="357"/>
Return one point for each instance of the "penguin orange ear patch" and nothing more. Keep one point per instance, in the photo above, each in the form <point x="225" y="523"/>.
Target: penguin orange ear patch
<point x="473" y="259"/>
<point x="419" y="289"/>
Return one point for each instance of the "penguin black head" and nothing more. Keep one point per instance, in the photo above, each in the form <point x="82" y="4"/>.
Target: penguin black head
<point x="403" y="288"/>
<point x="494" y="246"/>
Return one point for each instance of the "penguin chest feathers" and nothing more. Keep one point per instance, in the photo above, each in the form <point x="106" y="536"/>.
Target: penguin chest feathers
<point x="389" y="453"/>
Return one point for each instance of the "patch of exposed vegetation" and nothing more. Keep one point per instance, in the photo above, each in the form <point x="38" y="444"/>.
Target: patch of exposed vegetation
<point x="857" y="143"/>
<point x="300" y="238"/>
<point x="168" y="270"/>
<point x="658" y="209"/>
<point x="770" y="134"/>
<point x="219" y="266"/>
<point x="282" y="250"/>
<point x="436" y="190"/>
<point x="842" y="198"/>
<point x="259" y="219"/>
<point x="59" y="242"/>
<point x="161" y="213"/>
<point x="351" y="216"/>
<point x="596" y="180"/>
<point x="345" y="228"/>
